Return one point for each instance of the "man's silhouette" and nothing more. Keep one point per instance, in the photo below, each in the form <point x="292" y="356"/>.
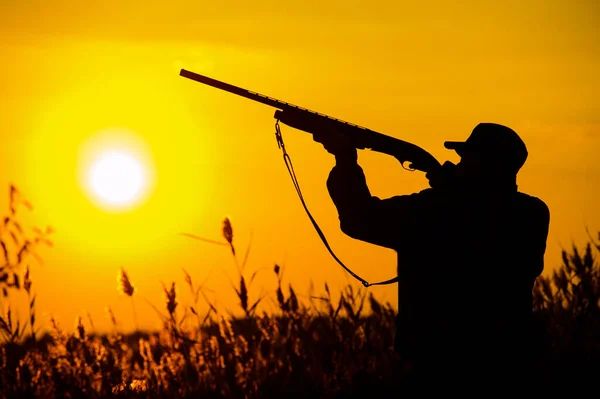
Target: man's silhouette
<point x="469" y="250"/>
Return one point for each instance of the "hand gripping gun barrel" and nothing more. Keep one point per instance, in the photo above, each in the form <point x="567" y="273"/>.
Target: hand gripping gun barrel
<point x="315" y="122"/>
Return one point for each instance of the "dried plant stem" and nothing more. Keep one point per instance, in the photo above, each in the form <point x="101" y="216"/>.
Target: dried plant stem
<point x="32" y="317"/>
<point x="237" y="264"/>
<point x="137" y="328"/>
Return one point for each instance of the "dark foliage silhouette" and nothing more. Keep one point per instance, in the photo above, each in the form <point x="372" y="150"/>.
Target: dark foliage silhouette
<point x="322" y="345"/>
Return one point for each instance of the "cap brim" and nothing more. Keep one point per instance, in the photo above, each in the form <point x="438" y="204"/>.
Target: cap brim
<point x="457" y="146"/>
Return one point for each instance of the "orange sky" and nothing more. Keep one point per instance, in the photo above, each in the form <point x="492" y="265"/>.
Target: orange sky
<point x="423" y="73"/>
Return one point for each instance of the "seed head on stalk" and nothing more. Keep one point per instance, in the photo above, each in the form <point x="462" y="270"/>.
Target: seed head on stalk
<point x="125" y="286"/>
<point x="227" y="232"/>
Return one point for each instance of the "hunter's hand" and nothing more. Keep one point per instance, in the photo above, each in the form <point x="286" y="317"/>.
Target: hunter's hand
<point x="337" y="144"/>
<point x="442" y="177"/>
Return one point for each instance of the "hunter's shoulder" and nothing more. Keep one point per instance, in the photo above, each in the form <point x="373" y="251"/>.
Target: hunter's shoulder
<point x="410" y="201"/>
<point x="533" y="204"/>
<point x="531" y="200"/>
<point x="426" y="197"/>
<point x="428" y="192"/>
<point x="421" y="196"/>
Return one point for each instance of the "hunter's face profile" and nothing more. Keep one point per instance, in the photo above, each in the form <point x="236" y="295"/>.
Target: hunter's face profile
<point x="492" y="153"/>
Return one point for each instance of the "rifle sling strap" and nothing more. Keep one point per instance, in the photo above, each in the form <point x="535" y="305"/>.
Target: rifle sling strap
<point x="290" y="168"/>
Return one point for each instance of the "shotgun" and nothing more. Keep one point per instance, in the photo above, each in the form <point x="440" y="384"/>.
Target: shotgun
<point x="312" y="122"/>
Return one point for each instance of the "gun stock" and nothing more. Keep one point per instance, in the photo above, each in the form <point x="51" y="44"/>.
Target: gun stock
<point x="312" y="122"/>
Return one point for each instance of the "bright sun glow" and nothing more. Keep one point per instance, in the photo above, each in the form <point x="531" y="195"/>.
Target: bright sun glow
<point x="117" y="178"/>
<point x="116" y="169"/>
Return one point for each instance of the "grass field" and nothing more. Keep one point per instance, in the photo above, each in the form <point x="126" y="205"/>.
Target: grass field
<point x="319" y="347"/>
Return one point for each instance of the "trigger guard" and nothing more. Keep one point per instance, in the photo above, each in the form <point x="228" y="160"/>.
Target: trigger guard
<point x="409" y="168"/>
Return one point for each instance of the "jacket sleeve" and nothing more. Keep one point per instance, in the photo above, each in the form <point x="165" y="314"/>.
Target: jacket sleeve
<point x="363" y="216"/>
<point x="539" y="233"/>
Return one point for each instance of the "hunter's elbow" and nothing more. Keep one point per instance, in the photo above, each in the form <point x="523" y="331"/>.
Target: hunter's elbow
<point x="351" y="228"/>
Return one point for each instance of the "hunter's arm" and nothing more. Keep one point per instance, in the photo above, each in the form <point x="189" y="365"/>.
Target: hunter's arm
<point x="363" y="216"/>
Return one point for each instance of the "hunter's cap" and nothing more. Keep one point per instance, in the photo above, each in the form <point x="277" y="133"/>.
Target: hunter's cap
<point x="498" y="144"/>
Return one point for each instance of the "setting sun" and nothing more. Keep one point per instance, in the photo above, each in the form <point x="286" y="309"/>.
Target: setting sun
<point x="116" y="169"/>
<point x="117" y="178"/>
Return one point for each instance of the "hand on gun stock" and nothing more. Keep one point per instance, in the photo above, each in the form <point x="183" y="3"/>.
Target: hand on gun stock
<point x="337" y="144"/>
<point x="442" y="177"/>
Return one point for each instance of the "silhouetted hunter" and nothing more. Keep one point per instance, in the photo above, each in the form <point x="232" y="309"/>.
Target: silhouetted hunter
<point x="469" y="250"/>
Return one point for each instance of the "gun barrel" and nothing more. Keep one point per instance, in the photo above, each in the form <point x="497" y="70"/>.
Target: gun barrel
<point x="234" y="89"/>
<point x="261" y="98"/>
